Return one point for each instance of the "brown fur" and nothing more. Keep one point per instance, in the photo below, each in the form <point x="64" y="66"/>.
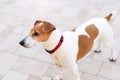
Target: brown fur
<point x="85" y="43"/>
<point x="92" y="31"/>
<point x="37" y="22"/>
<point x="73" y="30"/>
<point x="109" y="17"/>
<point x="43" y="30"/>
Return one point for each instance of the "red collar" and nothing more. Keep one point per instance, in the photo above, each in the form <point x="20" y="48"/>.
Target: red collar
<point x="57" y="46"/>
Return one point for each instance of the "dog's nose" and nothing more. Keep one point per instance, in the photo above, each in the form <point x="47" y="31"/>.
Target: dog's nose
<point x="22" y="42"/>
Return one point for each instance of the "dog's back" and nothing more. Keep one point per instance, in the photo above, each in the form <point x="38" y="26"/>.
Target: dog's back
<point x="100" y="32"/>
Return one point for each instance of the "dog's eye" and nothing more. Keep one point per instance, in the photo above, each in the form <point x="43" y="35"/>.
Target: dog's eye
<point x="36" y="34"/>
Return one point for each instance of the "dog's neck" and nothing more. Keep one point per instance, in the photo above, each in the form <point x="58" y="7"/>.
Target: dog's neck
<point x="53" y="40"/>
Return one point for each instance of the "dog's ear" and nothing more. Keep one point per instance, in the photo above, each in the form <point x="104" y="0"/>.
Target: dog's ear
<point x="47" y="27"/>
<point x="37" y="22"/>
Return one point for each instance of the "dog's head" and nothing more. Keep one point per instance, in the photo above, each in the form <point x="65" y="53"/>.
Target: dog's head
<point x="39" y="33"/>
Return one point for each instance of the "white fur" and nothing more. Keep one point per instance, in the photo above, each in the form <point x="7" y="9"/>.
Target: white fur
<point x="29" y="42"/>
<point x="40" y="24"/>
<point x="66" y="55"/>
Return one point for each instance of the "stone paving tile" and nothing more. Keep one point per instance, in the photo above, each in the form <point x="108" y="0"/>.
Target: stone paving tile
<point x="91" y="77"/>
<point x="10" y="19"/>
<point x="33" y="78"/>
<point x="18" y="8"/>
<point x="93" y="64"/>
<point x="26" y="31"/>
<point x="104" y="55"/>
<point x="10" y="43"/>
<point x="116" y="30"/>
<point x="117" y="20"/>
<point x="31" y="67"/>
<point x="117" y="4"/>
<point x="44" y="56"/>
<point x="52" y="71"/>
<point x="118" y="60"/>
<point x="46" y="78"/>
<point x="62" y="26"/>
<point x="27" y="52"/>
<point x="19" y="30"/>
<point x="7" y="31"/>
<point x="110" y="71"/>
<point x="70" y="11"/>
<point x="3" y="26"/>
<point x="6" y="62"/>
<point x="1" y="77"/>
<point x="13" y="75"/>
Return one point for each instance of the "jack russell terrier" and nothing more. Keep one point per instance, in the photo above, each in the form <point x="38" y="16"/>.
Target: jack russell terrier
<point x="70" y="46"/>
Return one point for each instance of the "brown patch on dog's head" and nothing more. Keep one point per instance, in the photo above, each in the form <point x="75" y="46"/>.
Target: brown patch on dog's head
<point x="42" y="30"/>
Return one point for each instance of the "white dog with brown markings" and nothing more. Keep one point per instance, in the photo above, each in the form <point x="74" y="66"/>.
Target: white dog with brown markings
<point x="70" y="46"/>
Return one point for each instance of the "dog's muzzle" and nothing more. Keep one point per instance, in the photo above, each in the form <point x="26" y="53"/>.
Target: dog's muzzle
<point x="27" y="42"/>
<point x="22" y="43"/>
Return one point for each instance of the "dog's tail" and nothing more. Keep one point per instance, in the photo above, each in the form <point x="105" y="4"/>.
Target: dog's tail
<point x="111" y="16"/>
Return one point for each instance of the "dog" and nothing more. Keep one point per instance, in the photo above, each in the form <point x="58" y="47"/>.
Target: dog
<point x="70" y="46"/>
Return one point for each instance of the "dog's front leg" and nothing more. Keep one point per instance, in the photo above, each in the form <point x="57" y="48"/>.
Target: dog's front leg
<point x="59" y="76"/>
<point x="73" y="68"/>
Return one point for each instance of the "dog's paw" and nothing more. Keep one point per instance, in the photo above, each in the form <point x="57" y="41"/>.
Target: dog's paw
<point x="56" y="77"/>
<point x="97" y="51"/>
<point x="113" y="59"/>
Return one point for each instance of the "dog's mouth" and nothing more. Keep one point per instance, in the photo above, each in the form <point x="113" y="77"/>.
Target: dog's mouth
<point x="28" y="45"/>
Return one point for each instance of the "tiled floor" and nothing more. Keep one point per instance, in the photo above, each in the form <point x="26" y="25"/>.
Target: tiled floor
<point x="18" y="16"/>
